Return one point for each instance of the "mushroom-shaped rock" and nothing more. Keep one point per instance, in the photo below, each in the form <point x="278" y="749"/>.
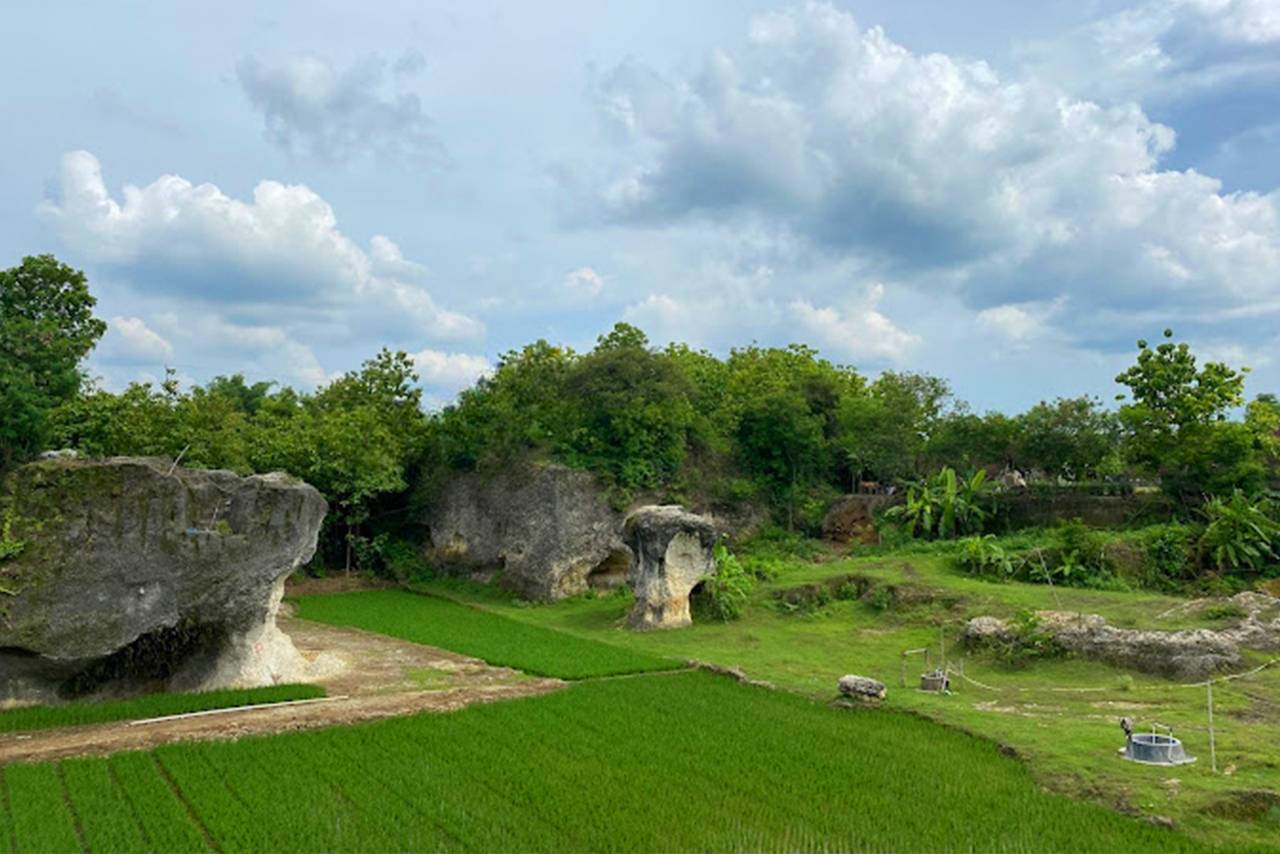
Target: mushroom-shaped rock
<point x="133" y="573"/>
<point x="861" y="687"/>
<point x="674" y="550"/>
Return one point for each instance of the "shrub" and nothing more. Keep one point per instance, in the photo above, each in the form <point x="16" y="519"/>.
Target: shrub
<point x="1168" y="556"/>
<point x="1239" y="533"/>
<point x="1026" y="641"/>
<point x="984" y="557"/>
<point x="405" y="562"/>
<point x="725" y="594"/>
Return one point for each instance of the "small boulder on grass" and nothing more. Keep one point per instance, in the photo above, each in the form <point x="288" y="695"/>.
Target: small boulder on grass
<point x="861" y="687"/>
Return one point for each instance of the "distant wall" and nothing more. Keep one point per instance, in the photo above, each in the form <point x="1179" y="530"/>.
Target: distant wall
<point x="1027" y="509"/>
<point x="851" y="519"/>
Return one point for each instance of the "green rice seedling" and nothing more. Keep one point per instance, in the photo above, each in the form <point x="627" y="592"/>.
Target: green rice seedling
<point x="161" y="814"/>
<point x="106" y="815"/>
<point x="38" y="806"/>
<point x="149" y="706"/>
<point x="495" y="639"/>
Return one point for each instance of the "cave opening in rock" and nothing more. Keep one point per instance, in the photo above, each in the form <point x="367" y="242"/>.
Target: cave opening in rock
<point x="150" y="658"/>
<point x="611" y="573"/>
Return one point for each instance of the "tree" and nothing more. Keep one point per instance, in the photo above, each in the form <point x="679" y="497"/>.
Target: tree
<point x="629" y="411"/>
<point x="1071" y="437"/>
<point x="884" y="432"/>
<point x="1177" y="426"/>
<point x="46" y="328"/>
<point x="1262" y="416"/>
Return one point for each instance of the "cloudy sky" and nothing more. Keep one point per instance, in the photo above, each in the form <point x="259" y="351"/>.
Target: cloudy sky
<point x="1003" y="193"/>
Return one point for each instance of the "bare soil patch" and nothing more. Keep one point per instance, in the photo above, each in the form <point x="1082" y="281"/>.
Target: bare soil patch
<point x="369" y="676"/>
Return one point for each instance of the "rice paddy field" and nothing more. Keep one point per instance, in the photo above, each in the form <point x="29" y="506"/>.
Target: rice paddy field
<point x="639" y="753"/>
<point x="668" y="761"/>
<point x="475" y="632"/>
<point x="1060" y="715"/>
<point x="150" y="706"/>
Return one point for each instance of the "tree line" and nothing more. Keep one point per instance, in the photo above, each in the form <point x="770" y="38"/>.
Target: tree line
<point x="778" y="426"/>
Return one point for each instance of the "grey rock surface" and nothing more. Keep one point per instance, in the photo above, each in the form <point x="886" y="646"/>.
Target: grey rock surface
<point x="861" y="687"/>
<point x="124" y="553"/>
<point x="674" y="551"/>
<point x="549" y="528"/>
<point x="1184" y="654"/>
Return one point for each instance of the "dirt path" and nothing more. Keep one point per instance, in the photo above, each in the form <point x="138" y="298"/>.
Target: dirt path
<point x="379" y="677"/>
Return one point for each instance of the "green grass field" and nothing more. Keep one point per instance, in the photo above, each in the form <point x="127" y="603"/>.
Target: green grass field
<point x="150" y="706"/>
<point x="1060" y="715"/>
<point x="672" y="761"/>
<point x="493" y="638"/>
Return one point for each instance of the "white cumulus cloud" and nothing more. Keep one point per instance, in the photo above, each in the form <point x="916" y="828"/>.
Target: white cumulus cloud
<point x="934" y="172"/>
<point x="130" y="341"/>
<point x="584" y="281"/>
<point x="450" y="371"/>
<point x="280" y="253"/>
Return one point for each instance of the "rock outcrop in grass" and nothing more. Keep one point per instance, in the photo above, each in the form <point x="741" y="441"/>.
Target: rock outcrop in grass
<point x="1184" y="654"/>
<point x="674" y="551"/>
<point x="130" y="573"/>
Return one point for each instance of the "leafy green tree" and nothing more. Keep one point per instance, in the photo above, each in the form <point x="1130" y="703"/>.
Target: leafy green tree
<point x="883" y="434"/>
<point x="630" y="411"/>
<point x="247" y="398"/>
<point x="522" y="406"/>
<point x="969" y="441"/>
<point x="46" y="328"/>
<point x="1262" y="417"/>
<point x="1176" y="421"/>
<point x="1070" y="437"/>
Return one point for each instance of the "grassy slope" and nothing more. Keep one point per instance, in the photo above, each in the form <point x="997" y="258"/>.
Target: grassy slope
<point x="471" y="631"/>
<point x="150" y="706"/>
<point x="1069" y="737"/>
<point x="675" y="761"/>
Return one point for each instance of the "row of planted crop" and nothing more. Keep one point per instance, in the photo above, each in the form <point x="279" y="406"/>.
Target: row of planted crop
<point x="684" y="761"/>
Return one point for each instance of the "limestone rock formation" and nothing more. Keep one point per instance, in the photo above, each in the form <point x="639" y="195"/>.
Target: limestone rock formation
<point x="861" y="687"/>
<point x="548" y="528"/>
<point x="130" y="574"/>
<point x="674" y="551"/>
<point x="1184" y="654"/>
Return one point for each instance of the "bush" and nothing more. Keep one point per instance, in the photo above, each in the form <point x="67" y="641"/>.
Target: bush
<point x="1239" y="534"/>
<point x="1026" y="641"/>
<point x="405" y="562"/>
<point x="986" y="558"/>
<point x="767" y="554"/>
<point x="725" y="594"/>
<point x="1168" y="556"/>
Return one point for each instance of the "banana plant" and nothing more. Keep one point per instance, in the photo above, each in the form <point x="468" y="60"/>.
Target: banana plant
<point x="943" y="506"/>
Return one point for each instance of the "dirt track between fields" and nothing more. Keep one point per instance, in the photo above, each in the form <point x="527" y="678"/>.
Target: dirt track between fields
<point x="373" y="677"/>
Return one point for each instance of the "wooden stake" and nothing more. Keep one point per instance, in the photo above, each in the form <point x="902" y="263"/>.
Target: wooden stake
<point x="1213" y="747"/>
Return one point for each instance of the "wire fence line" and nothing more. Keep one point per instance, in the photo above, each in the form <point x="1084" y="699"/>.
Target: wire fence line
<point x="1022" y="689"/>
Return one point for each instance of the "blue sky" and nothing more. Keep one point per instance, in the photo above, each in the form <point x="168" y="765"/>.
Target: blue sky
<point x="1005" y="194"/>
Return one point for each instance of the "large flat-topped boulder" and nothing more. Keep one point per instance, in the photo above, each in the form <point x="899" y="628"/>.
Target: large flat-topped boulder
<point x="675" y="550"/>
<point x="131" y="572"/>
<point x="550" y="530"/>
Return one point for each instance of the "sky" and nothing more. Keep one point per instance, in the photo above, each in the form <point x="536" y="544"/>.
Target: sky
<point x="1004" y="194"/>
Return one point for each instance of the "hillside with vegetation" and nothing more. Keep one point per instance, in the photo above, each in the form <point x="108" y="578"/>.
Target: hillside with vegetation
<point x="1046" y="628"/>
